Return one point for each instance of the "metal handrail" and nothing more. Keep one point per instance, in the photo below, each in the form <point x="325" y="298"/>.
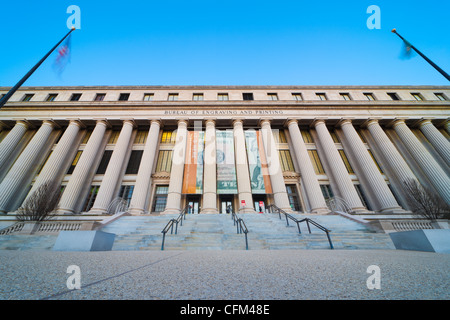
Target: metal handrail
<point x="240" y="227"/>
<point x="307" y="220"/>
<point x="171" y="222"/>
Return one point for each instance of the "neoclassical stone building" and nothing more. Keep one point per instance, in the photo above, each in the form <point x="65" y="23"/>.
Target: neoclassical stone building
<point x="161" y="148"/>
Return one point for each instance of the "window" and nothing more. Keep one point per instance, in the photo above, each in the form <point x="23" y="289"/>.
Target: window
<point x="27" y="97"/>
<point x="272" y="96"/>
<point x="297" y="96"/>
<point x="173" y="97"/>
<point x="291" y="190"/>
<point x="168" y="137"/>
<point x="164" y="163"/>
<point x="345" y="96"/>
<point x="334" y="137"/>
<point x="51" y="97"/>
<point x="113" y="137"/>
<point x="74" y="162"/>
<point x="148" y="96"/>
<point x="306" y="135"/>
<point x="393" y="95"/>
<point x="124" y="96"/>
<point x="369" y="96"/>
<point x="417" y="96"/>
<point x="159" y="204"/>
<point x="197" y="97"/>
<point x="441" y="96"/>
<point x="286" y="161"/>
<point x="321" y="96"/>
<point x="375" y="160"/>
<point x="134" y="162"/>
<point x="327" y="192"/>
<point x="104" y="162"/>
<point x="279" y="136"/>
<point x="126" y="192"/>
<point x="100" y="96"/>
<point x="91" y="198"/>
<point x="362" y="196"/>
<point x="346" y="162"/>
<point x="315" y="160"/>
<point x="86" y="137"/>
<point x="247" y="96"/>
<point x="75" y="97"/>
<point x="222" y="96"/>
<point x="141" y="137"/>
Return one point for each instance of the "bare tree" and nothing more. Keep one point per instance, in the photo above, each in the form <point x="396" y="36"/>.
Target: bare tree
<point x="41" y="204"/>
<point x="425" y="202"/>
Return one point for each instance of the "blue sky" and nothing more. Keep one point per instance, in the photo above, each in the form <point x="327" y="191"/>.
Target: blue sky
<point x="226" y="43"/>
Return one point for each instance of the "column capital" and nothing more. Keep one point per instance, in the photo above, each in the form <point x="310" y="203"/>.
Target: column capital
<point x="211" y="121"/>
<point x="291" y="122"/>
<point x="76" y="122"/>
<point x="371" y="121"/>
<point x="129" y="121"/>
<point x="183" y="122"/>
<point x="156" y="121"/>
<point x="24" y="123"/>
<point x="344" y="121"/>
<point x="103" y="122"/>
<point x="263" y="122"/>
<point x="238" y="121"/>
<point x="50" y="122"/>
<point x="425" y="121"/>
<point x="318" y="121"/>
<point x="398" y="121"/>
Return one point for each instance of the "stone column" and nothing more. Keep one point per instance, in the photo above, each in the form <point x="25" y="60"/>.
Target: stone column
<point x="273" y="163"/>
<point x="72" y="192"/>
<point x="55" y="163"/>
<point x="310" y="182"/>
<point x="210" y="180"/>
<point x="14" y="181"/>
<point x="437" y="176"/>
<point x="143" y="179"/>
<point x="337" y="167"/>
<point x="11" y="140"/>
<point x="176" y="174"/>
<point x="110" y="179"/>
<point x="242" y="173"/>
<point x="380" y="190"/>
<point x="437" y="140"/>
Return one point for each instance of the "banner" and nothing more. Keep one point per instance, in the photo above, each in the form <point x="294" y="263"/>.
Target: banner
<point x="193" y="166"/>
<point x="257" y="164"/>
<point x="226" y="170"/>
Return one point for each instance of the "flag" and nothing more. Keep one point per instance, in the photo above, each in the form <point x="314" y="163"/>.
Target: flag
<point x="407" y="50"/>
<point x="63" y="57"/>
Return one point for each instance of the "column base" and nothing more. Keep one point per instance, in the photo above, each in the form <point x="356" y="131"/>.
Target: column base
<point x="321" y="211"/>
<point x="209" y="211"/>
<point x="396" y="210"/>
<point x="171" y="211"/>
<point x="246" y="210"/>
<point x="136" y="211"/>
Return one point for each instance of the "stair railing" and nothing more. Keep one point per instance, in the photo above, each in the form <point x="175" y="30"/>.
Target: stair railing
<point x="172" y="222"/>
<point x="240" y="227"/>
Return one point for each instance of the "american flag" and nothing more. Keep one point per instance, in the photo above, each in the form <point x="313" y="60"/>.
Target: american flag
<point x="63" y="57"/>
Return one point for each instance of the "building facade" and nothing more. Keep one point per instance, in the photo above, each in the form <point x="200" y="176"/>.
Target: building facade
<point x="218" y="149"/>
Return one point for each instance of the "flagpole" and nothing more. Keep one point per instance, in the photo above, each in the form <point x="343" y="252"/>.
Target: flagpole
<point x="445" y="74"/>
<point x="17" y="86"/>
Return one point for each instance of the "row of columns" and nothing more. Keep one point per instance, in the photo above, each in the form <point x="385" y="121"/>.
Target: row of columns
<point x="14" y="179"/>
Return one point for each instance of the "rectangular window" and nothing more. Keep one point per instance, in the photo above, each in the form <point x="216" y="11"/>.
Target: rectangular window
<point x="297" y="96"/>
<point x="86" y="137"/>
<point x="306" y="135"/>
<point x="286" y="161"/>
<point x="335" y="137"/>
<point x="315" y="160"/>
<point x="159" y="204"/>
<point x="294" y="202"/>
<point x="346" y="162"/>
<point x="197" y="97"/>
<point x="134" y="162"/>
<point x="327" y="192"/>
<point x="126" y="192"/>
<point x="113" y="137"/>
<point x="164" y="162"/>
<point x="173" y="97"/>
<point x="321" y="96"/>
<point x="247" y="96"/>
<point x="91" y="198"/>
<point x="222" y="96"/>
<point x="100" y="97"/>
<point x="393" y="95"/>
<point x="168" y="137"/>
<point x="74" y="162"/>
<point x="124" y="96"/>
<point x="375" y="160"/>
<point x="362" y="196"/>
<point x="369" y="96"/>
<point x="104" y="162"/>
<point x="75" y="97"/>
<point x="441" y="96"/>
<point x="346" y="96"/>
<point x="417" y="96"/>
<point x="141" y="137"/>
<point x="279" y="136"/>
<point x="272" y="96"/>
<point x="27" y="97"/>
<point x="148" y="96"/>
<point x="51" y="97"/>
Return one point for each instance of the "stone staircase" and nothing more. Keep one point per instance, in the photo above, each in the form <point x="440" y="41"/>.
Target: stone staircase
<point x="217" y="232"/>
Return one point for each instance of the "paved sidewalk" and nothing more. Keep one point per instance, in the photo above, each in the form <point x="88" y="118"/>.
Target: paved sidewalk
<point x="225" y="275"/>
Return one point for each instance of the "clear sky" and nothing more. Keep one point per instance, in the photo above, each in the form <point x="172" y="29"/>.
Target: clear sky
<point x="229" y="42"/>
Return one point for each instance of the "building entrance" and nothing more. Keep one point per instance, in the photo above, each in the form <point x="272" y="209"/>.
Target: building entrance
<point x="194" y="204"/>
<point x="260" y="203"/>
<point x="226" y="204"/>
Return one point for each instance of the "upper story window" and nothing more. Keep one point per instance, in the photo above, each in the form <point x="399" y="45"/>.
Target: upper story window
<point x="75" y="97"/>
<point x="100" y="97"/>
<point x="417" y="96"/>
<point x="27" y="97"/>
<point x="321" y="96"/>
<point x="197" y="97"/>
<point x="369" y="96"/>
<point x="51" y="97"/>
<point x="124" y="96"/>
<point x="222" y="96"/>
<point x="148" y="96"/>
<point x="440" y="96"/>
<point x="297" y="96"/>
<point x="272" y="96"/>
<point x="173" y="97"/>
<point x="345" y="96"/>
<point x="247" y="96"/>
<point x="393" y="95"/>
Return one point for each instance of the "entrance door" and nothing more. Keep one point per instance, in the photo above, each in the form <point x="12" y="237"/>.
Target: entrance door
<point x="194" y="204"/>
<point x="226" y="204"/>
<point x="260" y="203"/>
